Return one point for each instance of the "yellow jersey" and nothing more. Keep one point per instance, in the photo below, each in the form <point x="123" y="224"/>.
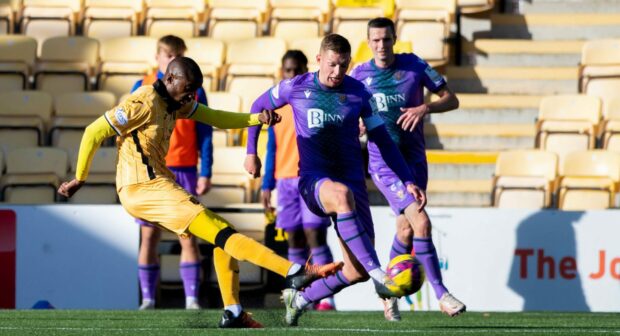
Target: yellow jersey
<point x="144" y="127"/>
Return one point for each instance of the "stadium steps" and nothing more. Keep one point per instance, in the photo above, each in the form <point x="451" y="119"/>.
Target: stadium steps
<point x="513" y="79"/>
<point x="490" y="109"/>
<point x="455" y="179"/>
<point x="489" y="52"/>
<point x="555" y="26"/>
<point x="568" y="6"/>
<point x="479" y="137"/>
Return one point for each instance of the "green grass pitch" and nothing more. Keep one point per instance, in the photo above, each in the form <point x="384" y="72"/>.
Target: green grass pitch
<point x="179" y="322"/>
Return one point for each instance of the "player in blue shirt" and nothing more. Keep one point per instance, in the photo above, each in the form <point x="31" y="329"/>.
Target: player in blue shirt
<point x="326" y="108"/>
<point x="397" y="83"/>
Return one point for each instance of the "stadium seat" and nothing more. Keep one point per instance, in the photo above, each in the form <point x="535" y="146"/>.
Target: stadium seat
<point x="177" y="17"/>
<point x="426" y="24"/>
<point x="73" y="112"/>
<point x="43" y="19"/>
<point x="568" y="123"/>
<point x="228" y="170"/>
<point x="23" y="118"/>
<point x="7" y="19"/>
<point x="17" y="56"/>
<point x="100" y="188"/>
<point x="525" y="179"/>
<point x="33" y="174"/>
<point x="231" y="20"/>
<point x="310" y="47"/>
<point x="66" y="64"/>
<point x="125" y="61"/>
<point x="475" y="6"/>
<point x="350" y="20"/>
<point x="589" y="180"/>
<point x="106" y="19"/>
<point x="600" y="62"/>
<point x="298" y="19"/>
<point x="611" y="126"/>
<point x="220" y="196"/>
<point x="364" y="53"/>
<point x="252" y="67"/>
<point x="210" y="62"/>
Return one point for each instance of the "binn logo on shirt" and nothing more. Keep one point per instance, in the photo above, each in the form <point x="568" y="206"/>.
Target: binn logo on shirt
<point x="383" y="102"/>
<point x="317" y="118"/>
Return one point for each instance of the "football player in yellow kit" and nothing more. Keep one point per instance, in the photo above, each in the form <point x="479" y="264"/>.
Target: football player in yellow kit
<point x="143" y="124"/>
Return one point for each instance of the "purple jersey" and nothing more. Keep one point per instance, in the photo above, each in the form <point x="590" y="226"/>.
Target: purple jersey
<point x="400" y="85"/>
<point x="326" y="123"/>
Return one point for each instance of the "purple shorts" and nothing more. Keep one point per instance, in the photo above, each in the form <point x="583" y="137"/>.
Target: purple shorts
<point x="187" y="179"/>
<point x="394" y="189"/>
<point x="309" y="188"/>
<point x="293" y="213"/>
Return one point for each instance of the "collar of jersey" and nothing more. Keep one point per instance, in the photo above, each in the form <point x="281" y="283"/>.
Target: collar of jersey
<point x="375" y="67"/>
<point x="171" y="104"/>
<point x="323" y="87"/>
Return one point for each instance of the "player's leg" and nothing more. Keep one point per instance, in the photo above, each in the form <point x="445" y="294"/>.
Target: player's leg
<point x="315" y="231"/>
<point x="427" y="255"/>
<point x="189" y="269"/>
<point x="148" y="263"/>
<point x="289" y="219"/>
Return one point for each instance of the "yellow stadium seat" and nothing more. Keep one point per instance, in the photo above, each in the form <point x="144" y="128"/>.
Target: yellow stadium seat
<point x="75" y="111"/>
<point x="7" y="19"/>
<point x="352" y="6"/>
<point x="351" y="22"/>
<point x="298" y="19"/>
<point x="589" y="180"/>
<point x="310" y="48"/>
<point x="568" y="123"/>
<point x="210" y="62"/>
<point x="599" y="71"/>
<point x="105" y="19"/>
<point x="228" y="170"/>
<point x="223" y="195"/>
<point x="43" y="19"/>
<point x="100" y="188"/>
<point x="252" y="67"/>
<point x="524" y="179"/>
<point x="125" y="61"/>
<point x="33" y="174"/>
<point x="364" y="53"/>
<point x="475" y="6"/>
<point x="611" y="126"/>
<point x="66" y="64"/>
<point x="23" y="116"/>
<point x="426" y="24"/>
<point x="17" y="57"/>
<point x="180" y="18"/>
<point x="231" y="20"/>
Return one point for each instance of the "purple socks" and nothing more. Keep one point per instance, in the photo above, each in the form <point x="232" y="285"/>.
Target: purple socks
<point x="298" y="255"/>
<point x="325" y="287"/>
<point x="426" y="254"/>
<point x="357" y="240"/>
<point x="399" y="248"/>
<point x="148" y="276"/>
<point x="190" y="274"/>
<point x="321" y="255"/>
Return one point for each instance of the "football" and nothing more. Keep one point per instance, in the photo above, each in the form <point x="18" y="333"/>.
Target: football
<point x="406" y="275"/>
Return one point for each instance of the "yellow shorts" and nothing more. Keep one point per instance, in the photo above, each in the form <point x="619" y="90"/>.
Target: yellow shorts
<point x="161" y="201"/>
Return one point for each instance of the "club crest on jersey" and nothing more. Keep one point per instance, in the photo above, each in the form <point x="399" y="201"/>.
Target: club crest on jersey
<point x="342" y="98"/>
<point x="307" y="93"/>
<point x="398" y="75"/>
<point x="121" y="116"/>
<point x="368" y="81"/>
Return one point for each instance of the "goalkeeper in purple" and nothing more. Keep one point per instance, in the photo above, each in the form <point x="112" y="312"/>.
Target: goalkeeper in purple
<point x="397" y="82"/>
<point x="326" y="107"/>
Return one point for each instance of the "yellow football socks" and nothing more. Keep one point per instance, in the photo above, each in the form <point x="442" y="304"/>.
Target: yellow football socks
<point x="227" y="271"/>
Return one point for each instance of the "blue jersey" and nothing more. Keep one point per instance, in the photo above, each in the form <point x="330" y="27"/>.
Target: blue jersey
<point x="399" y="85"/>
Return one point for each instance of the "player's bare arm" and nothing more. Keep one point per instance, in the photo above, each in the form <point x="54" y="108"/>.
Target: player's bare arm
<point x="419" y="195"/>
<point x="413" y="115"/>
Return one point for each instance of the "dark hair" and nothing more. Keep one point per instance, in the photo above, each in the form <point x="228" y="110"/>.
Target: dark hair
<point x="190" y="70"/>
<point x="336" y="43"/>
<point x="296" y="55"/>
<point x="381" y="22"/>
<point x="176" y="44"/>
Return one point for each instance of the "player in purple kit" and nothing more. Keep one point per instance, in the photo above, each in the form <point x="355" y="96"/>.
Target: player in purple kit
<point x="397" y="83"/>
<point x="326" y="108"/>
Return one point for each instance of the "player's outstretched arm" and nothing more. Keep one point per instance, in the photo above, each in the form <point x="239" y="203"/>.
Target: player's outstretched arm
<point x="411" y="116"/>
<point x="228" y="120"/>
<point x="93" y="136"/>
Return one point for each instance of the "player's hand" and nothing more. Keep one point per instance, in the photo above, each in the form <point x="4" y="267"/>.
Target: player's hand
<point x="265" y="196"/>
<point x="269" y="117"/>
<point x="203" y="185"/>
<point x="412" y="116"/>
<point x="362" y="128"/>
<point x="419" y="195"/>
<point x="67" y="189"/>
<point x="252" y="165"/>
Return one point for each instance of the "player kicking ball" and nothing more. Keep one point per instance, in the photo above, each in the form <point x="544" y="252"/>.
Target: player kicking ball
<point x="143" y="124"/>
<point x="397" y="82"/>
<point x="326" y="108"/>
